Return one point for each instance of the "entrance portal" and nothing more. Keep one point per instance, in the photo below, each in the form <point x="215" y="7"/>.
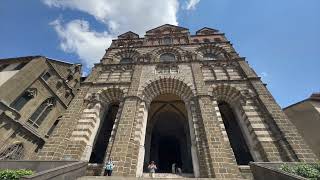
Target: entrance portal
<point x="235" y="135"/>
<point x="102" y="138"/>
<point x="168" y="137"/>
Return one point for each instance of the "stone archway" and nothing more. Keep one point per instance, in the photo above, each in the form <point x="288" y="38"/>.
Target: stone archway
<point x="229" y="103"/>
<point x="167" y="108"/>
<point x="98" y="118"/>
<point x="168" y="135"/>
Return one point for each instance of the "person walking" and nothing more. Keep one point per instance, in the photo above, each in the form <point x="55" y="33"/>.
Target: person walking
<point x="173" y="168"/>
<point x="152" y="169"/>
<point x="109" y="167"/>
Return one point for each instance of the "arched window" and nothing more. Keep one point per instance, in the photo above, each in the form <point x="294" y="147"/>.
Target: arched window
<point x="24" y="98"/>
<point x="209" y="56"/>
<point x="206" y="40"/>
<point x="46" y="76"/>
<point x="13" y="152"/>
<point x="126" y="60"/>
<point x="69" y="78"/>
<point x="59" y="84"/>
<point x="236" y="136"/>
<point x="167" y="40"/>
<point x="167" y="57"/>
<point x="41" y="113"/>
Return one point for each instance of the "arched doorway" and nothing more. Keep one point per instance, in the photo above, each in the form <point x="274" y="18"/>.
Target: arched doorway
<point x="236" y="136"/>
<point x="103" y="135"/>
<point x="168" y="136"/>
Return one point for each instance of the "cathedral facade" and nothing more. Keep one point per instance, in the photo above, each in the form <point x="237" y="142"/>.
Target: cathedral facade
<point x="172" y="97"/>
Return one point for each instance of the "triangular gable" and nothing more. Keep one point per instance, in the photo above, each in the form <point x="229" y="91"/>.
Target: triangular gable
<point x="128" y="35"/>
<point x="206" y="31"/>
<point x="167" y="27"/>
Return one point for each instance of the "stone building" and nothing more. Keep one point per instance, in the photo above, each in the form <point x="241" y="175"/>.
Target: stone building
<point x="305" y="115"/>
<point x="34" y="93"/>
<point x="172" y="97"/>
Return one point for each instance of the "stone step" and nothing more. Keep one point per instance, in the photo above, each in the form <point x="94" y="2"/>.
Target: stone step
<point x="168" y="175"/>
<point x="144" y="178"/>
<point x="141" y="178"/>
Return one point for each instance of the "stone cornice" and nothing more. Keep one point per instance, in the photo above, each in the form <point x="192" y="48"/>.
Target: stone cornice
<point x="54" y="93"/>
<point x="165" y="45"/>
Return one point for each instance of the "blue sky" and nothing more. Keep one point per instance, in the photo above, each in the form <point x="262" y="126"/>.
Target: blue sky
<point x="280" y="39"/>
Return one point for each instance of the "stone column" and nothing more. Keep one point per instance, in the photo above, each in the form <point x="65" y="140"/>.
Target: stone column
<point x="141" y="136"/>
<point x="192" y="122"/>
<point x="295" y="146"/>
<point x="220" y="153"/>
<point x="125" y="149"/>
<point x="89" y="123"/>
<point x="287" y="135"/>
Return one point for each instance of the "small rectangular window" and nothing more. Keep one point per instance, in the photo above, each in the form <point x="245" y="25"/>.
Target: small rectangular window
<point x="46" y="76"/>
<point x="52" y="127"/>
<point x="20" y="102"/>
<point x="217" y="39"/>
<point x="20" y="66"/>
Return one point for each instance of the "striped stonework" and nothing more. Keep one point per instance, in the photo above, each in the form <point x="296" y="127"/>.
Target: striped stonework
<point x="201" y="71"/>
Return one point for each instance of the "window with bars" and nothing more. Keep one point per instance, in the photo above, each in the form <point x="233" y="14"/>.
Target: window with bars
<point x="13" y="152"/>
<point x="126" y="60"/>
<point x="167" y="57"/>
<point x="209" y="56"/>
<point x="41" y="113"/>
<point x="46" y="76"/>
<point x="167" y="40"/>
<point x="206" y="40"/>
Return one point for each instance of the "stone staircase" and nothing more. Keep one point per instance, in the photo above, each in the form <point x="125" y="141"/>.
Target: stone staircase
<point x="168" y="176"/>
<point x="158" y="176"/>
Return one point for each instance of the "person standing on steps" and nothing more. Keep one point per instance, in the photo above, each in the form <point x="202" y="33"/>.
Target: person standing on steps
<point x="173" y="168"/>
<point x="109" y="167"/>
<point x="152" y="169"/>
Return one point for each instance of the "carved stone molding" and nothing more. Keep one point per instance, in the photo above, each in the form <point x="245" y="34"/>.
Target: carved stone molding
<point x="31" y="92"/>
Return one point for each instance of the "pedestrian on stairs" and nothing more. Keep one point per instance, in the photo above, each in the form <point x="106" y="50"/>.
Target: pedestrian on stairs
<point x="152" y="169"/>
<point x="109" y="167"/>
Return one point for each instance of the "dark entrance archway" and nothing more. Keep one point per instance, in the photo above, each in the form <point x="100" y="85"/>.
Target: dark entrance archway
<point x="235" y="135"/>
<point x="104" y="132"/>
<point x="167" y="136"/>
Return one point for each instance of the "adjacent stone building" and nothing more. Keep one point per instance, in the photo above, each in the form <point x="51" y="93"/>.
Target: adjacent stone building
<point x="34" y="93"/>
<point x="305" y="115"/>
<point x="172" y="97"/>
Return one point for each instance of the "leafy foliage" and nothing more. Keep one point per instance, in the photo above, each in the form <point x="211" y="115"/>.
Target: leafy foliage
<point x="311" y="171"/>
<point x="14" y="174"/>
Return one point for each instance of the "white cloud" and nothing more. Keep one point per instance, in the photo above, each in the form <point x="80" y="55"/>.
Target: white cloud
<point x="124" y="15"/>
<point x="264" y="74"/>
<point x="192" y="4"/>
<point x="76" y="37"/>
<point x="119" y="16"/>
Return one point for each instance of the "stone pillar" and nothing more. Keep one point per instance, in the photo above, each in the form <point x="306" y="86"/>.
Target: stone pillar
<point x="295" y="146"/>
<point x="87" y="128"/>
<point x="140" y="136"/>
<point x="192" y="122"/>
<point x="264" y="141"/>
<point x="287" y="136"/>
<point x="125" y="149"/>
<point x="221" y="156"/>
